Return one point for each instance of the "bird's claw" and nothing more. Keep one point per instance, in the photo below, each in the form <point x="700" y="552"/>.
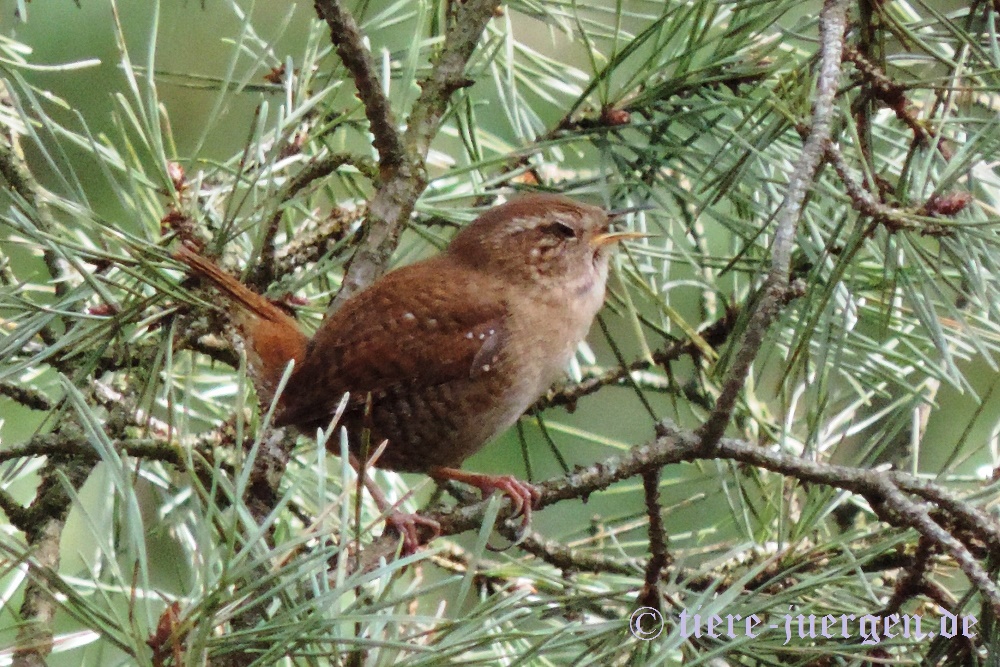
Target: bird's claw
<point x="523" y="496"/>
<point x="408" y="526"/>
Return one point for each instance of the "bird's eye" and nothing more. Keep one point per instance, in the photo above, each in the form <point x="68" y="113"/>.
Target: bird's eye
<point x="560" y="229"/>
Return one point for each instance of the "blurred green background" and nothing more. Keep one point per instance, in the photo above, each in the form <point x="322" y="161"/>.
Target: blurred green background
<point x="194" y="50"/>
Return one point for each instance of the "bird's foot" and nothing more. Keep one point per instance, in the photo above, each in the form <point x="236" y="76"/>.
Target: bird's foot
<point x="523" y="496"/>
<point x="408" y="526"/>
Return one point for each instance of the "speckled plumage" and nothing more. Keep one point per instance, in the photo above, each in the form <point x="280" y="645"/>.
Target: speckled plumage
<point x="450" y="351"/>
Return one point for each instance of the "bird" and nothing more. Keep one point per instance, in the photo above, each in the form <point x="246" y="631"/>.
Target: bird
<point x="440" y="356"/>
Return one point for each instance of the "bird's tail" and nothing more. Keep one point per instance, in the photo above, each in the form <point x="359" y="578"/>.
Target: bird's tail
<point x="271" y="336"/>
<point x="237" y="292"/>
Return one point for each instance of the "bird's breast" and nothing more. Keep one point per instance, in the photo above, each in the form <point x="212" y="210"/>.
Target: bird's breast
<point x="549" y="326"/>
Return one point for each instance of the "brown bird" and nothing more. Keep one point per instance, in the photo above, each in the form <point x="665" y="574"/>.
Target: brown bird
<point x="440" y="356"/>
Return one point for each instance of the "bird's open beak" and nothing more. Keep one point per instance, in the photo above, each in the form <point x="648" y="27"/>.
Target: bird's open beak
<point x="608" y="237"/>
<point x="605" y="238"/>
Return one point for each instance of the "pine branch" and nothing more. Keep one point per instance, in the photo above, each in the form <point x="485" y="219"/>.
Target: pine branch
<point x="885" y="491"/>
<point x="832" y="22"/>
<point x="404" y="176"/>
<point x="350" y="45"/>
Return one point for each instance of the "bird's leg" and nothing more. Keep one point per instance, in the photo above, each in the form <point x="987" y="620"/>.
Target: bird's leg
<point x="523" y="496"/>
<point x="406" y="524"/>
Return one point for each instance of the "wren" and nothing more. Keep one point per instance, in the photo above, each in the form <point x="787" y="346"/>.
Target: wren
<point x="440" y="356"/>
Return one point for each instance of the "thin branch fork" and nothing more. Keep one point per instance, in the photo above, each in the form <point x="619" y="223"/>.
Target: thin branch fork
<point x="895" y="219"/>
<point x="401" y="158"/>
<point x="893" y="95"/>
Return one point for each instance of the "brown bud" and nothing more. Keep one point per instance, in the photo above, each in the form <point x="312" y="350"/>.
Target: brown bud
<point x="612" y="117"/>
<point x="102" y="310"/>
<point x="276" y="75"/>
<point x="949" y="204"/>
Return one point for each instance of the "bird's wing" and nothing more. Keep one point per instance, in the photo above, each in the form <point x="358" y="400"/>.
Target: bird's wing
<point x="392" y="335"/>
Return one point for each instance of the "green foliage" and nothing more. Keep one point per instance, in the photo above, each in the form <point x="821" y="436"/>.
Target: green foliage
<point x="115" y="375"/>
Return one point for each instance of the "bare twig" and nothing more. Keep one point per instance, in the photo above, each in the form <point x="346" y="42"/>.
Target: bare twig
<point x="18" y="515"/>
<point x="863" y="200"/>
<point x="26" y="396"/>
<point x="658" y="559"/>
<point x="567" y="558"/>
<point x="714" y="334"/>
<point x="350" y="45"/>
<point x="58" y="449"/>
<point x="832" y="23"/>
<point x="913" y="578"/>
<point x="887" y="492"/>
<point x="917" y="516"/>
<point x="404" y="180"/>
<point x="965" y="515"/>
<point x="720" y="577"/>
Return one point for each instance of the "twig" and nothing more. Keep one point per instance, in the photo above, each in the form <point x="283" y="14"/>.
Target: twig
<point x="23" y="183"/>
<point x="571" y="559"/>
<point x="265" y="272"/>
<point x="403" y="180"/>
<point x="60" y="450"/>
<point x="913" y="578"/>
<point x="350" y="45"/>
<point x="566" y="558"/>
<point x="893" y="95"/>
<point x="38" y="607"/>
<point x="312" y="243"/>
<point x="895" y="219"/>
<point x="862" y="200"/>
<point x="18" y="515"/>
<point x="832" y="22"/>
<point x="26" y="396"/>
<point x="882" y="490"/>
<point x="447" y="75"/>
<point x="967" y="516"/>
<point x="658" y="559"/>
<point x="917" y="516"/>
<point x="715" y="334"/>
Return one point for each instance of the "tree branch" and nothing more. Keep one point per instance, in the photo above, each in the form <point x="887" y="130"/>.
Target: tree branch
<point x="884" y="491"/>
<point x="894" y="219"/>
<point x="658" y="556"/>
<point x="48" y="517"/>
<point x="832" y="23"/>
<point x="26" y="396"/>
<point x="403" y="181"/>
<point x="448" y="74"/>
<point x="23" y="183"/>
<point x="350" y="45"/>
